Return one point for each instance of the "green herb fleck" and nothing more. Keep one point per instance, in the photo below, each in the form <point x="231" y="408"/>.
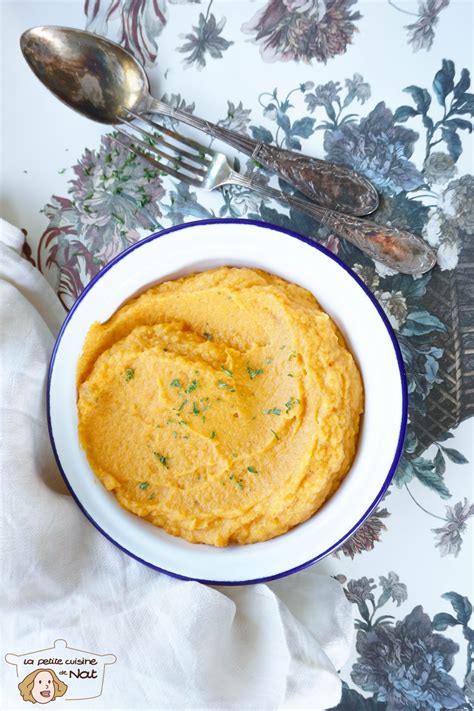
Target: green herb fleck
<point x="149" y="173"/>
<point x="176" y="383"/>
<point x="291" y="403"/>
<point x="290" y="375"/>
<point x="252" y="470"/>
<point x="227" y="371"/>
<point x="195" y="409"/>
<point x="162" y="459"/>
<point x="62" y="171"/>
<point x="143" y="485"/>
<point x="191" y="387"/>
<point x="175" y="434"/>
<point x="237" y="482"/>
<point x="152" y="496"/>
<point x="268" y="361"/>
<point x="254" y="372"/>
<point x="274" y="434"/>
<point x="212" y="435"/>
<point x="181" y="406"/>
<point x="224" y="386"/>
<point x="207" y="335"/>
<point x="273" y="411"/>
<point x="144" y="200"/>
<point x="293" y="355"/>
<point x="129" y="374"/>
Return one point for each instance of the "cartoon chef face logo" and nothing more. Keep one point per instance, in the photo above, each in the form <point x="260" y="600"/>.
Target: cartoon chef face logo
<point x="59" y="670"/>
<point x="41" y="687"/>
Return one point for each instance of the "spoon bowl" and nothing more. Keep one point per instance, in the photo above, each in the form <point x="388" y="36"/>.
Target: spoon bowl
<point x="94" y="76"/>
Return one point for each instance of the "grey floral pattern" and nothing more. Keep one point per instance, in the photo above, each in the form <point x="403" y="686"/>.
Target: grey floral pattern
<point x="205" y="40"/>
<point x="439" y="168"/>
<point x="113" y="196"/>
<point x="303" y="30"/>
<point x="237" y="118"/>
<point x="377" y="148"/>
<point x="421" y="33"/>
<point x="136" y="24"/>
<point x="449" y="536"/>
<point x="412" y="655"/>
<point x="405" y="664"/>
<point x="365" y="538"/>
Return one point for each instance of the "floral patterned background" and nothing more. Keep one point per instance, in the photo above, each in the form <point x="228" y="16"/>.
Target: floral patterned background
<point x="327" y="77"/>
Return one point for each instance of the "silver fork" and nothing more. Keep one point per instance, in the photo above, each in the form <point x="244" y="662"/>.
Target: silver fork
<point x="201" y="167"/>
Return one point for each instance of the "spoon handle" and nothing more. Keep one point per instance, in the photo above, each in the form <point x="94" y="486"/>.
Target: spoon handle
<point x="397" y="249"/>
<point x="326" y="183"/>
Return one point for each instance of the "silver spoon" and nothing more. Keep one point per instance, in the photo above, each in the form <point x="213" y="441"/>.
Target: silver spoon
<point x="101" y="80"/>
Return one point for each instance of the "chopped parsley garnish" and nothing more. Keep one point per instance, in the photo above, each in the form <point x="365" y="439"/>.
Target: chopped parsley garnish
<point x="252" y="470"/>
<point x="212" y="435"/>
<point x="192" y="386"/>
<point x="273" y="411"/>
<point x="181" y="406"/>
<point x="290" y="375"/>
<point x="195" y="409"/>
<point x="254" y="372"/>
<point x="291" y="403"/>
<point x="224" y="386"/>
<point x="237" y="482"/>
<point x="129" y="374"/>
<point x="268" y="361"/>
<point x="176" y="383"/>
<point x="143" y="485"/>
<point x="152" y="496"/>
<point x="207" y="335"/>
<point x="274" y="434"/>
<point x="162" y="459"/>
<point x="227" y="371"/>
<point x="175" y="434"/>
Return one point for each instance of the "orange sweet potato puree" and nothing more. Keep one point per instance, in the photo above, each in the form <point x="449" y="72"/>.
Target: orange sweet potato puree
<point x="223" y="407"/>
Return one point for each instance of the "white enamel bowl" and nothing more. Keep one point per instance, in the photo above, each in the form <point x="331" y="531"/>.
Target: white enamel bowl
<point x="204" y="245"/>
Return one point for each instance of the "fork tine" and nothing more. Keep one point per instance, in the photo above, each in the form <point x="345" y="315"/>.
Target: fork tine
<point x="168" y="132"/>
<point x="192" y="156"/>
<point x="157" y="164"/>
<point x="182" y="165"/>
<point x="153" y="140"/>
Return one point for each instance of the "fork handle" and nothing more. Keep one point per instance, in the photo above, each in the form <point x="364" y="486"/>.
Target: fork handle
<point x="397" y="249"/>
<point x="327" y="183"/>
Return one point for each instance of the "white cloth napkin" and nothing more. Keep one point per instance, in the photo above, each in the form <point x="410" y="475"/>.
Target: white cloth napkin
<point x="179" y="645"/>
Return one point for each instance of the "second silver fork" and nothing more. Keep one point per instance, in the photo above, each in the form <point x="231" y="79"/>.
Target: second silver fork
<point x="199" y="166"/>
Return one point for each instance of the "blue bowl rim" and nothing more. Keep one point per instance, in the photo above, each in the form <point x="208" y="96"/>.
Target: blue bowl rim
<point x="396" y="347"/>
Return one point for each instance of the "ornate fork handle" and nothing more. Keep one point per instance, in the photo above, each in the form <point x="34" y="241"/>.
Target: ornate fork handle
<point x="327" y="183"/>
<point x="398" y="249"/>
